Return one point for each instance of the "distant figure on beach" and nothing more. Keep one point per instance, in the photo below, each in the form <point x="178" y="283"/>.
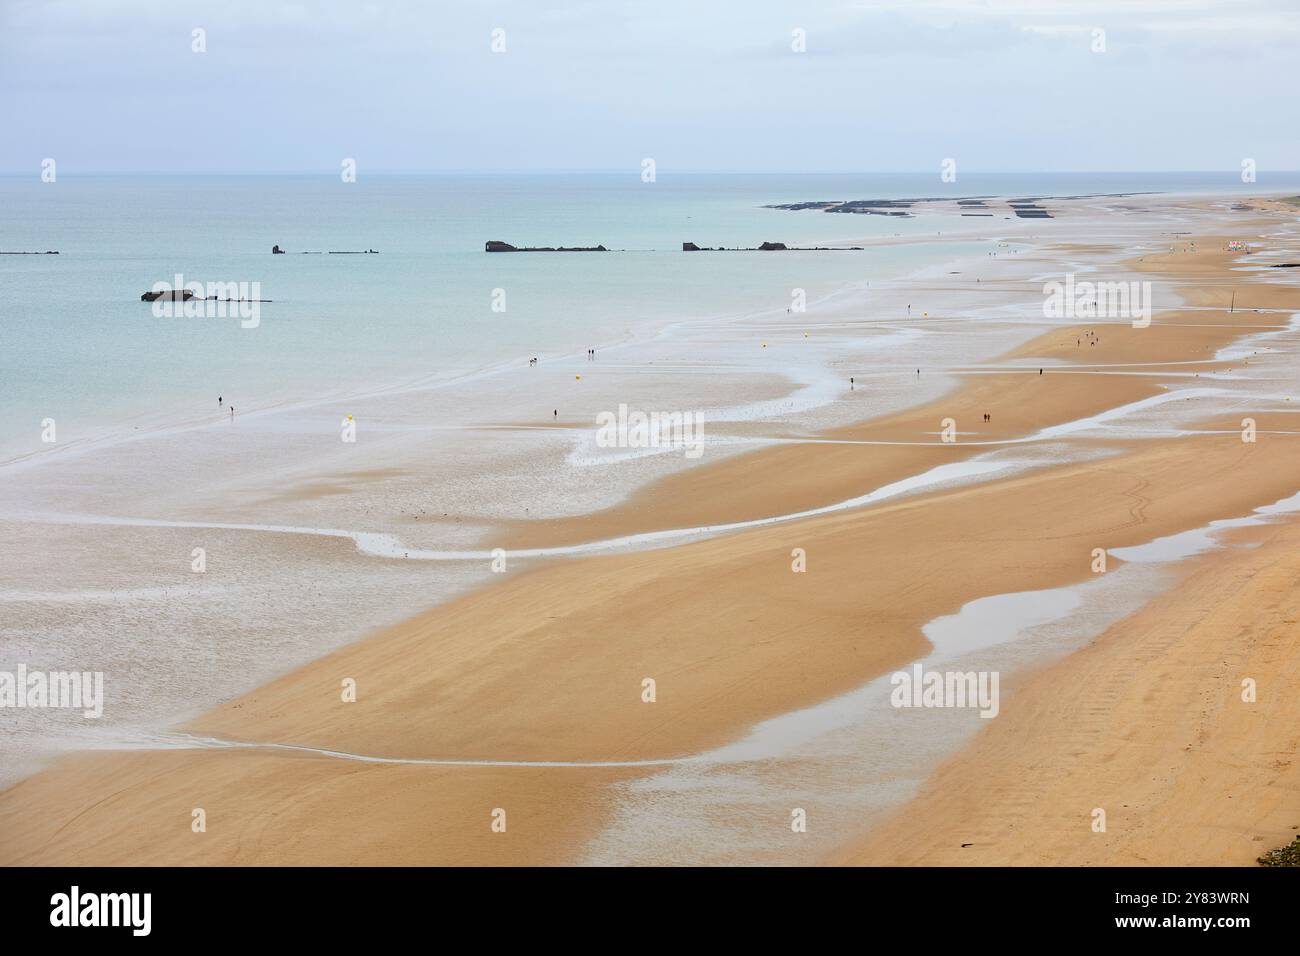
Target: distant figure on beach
<point x="232" y="413"/>
<point x="555" y="413"/>
<point x="218" y="401"/>
<point x="850" y="383"/>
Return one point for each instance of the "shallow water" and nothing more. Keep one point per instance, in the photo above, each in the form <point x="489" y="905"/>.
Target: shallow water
<point x="307" y="537"/>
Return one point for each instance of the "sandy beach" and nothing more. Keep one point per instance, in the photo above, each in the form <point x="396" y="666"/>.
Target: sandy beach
<point x="527" y="693"/>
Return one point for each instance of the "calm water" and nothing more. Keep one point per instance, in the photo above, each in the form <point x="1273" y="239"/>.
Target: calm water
<point x="79" y="346"/>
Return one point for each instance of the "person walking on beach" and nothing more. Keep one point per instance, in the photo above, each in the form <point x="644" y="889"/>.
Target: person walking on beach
<point x="232" y="413"/>
<point x="218" y="401"/>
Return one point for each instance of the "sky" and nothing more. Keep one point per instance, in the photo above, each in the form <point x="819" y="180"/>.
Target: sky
<point x="697" y="85"/>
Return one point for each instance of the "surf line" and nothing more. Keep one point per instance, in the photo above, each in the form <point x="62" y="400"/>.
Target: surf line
<point x="383" y="545"/>
<point x="192" y="742"/>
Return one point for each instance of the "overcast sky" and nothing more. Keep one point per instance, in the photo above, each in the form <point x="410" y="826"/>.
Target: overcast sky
<point x="884" y="85"/>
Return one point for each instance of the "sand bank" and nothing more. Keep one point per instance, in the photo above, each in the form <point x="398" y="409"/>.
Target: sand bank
<point x="549" y="664"/>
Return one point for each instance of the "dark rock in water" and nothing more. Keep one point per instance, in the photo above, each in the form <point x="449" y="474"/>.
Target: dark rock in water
<point x="47" y="252"/>
<point x="1029" y="209"/>
<point x="169" y="295"/>
<point x="496" y="245"/>
<point x="277" y="251"/>
<point x="767" y="247"/>
<point x="1286" y="265"/>
<point x="871" y="207"/>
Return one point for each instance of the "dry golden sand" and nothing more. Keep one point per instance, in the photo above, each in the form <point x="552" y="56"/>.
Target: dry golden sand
<point x="547" y="664"/>
<point x="1147" y="724"/>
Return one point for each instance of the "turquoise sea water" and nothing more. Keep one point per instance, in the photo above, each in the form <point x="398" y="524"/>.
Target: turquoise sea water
<point x="78" y="345"/>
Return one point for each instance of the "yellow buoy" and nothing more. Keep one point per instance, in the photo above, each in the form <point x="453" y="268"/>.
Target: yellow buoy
<point x="577" y="378"/>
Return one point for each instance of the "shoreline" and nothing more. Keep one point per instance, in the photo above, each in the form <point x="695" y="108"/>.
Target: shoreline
<point x="1185" y="754"/>
<point x="746" y="551"/>
<point x="204" y="495"/>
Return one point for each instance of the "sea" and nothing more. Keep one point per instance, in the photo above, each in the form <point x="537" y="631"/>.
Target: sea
<point x="78" y="346"/>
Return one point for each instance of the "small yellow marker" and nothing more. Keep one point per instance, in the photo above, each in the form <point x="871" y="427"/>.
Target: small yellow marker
<point x="577" y="378"/>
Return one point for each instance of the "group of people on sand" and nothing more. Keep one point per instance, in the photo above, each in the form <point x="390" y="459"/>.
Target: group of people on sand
<point x="1093" y="338"/>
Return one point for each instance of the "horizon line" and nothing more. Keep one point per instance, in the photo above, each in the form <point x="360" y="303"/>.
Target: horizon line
<point x="635" y="172"/>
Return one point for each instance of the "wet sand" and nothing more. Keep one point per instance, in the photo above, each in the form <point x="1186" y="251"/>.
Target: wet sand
<point x="548" y="664"/>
